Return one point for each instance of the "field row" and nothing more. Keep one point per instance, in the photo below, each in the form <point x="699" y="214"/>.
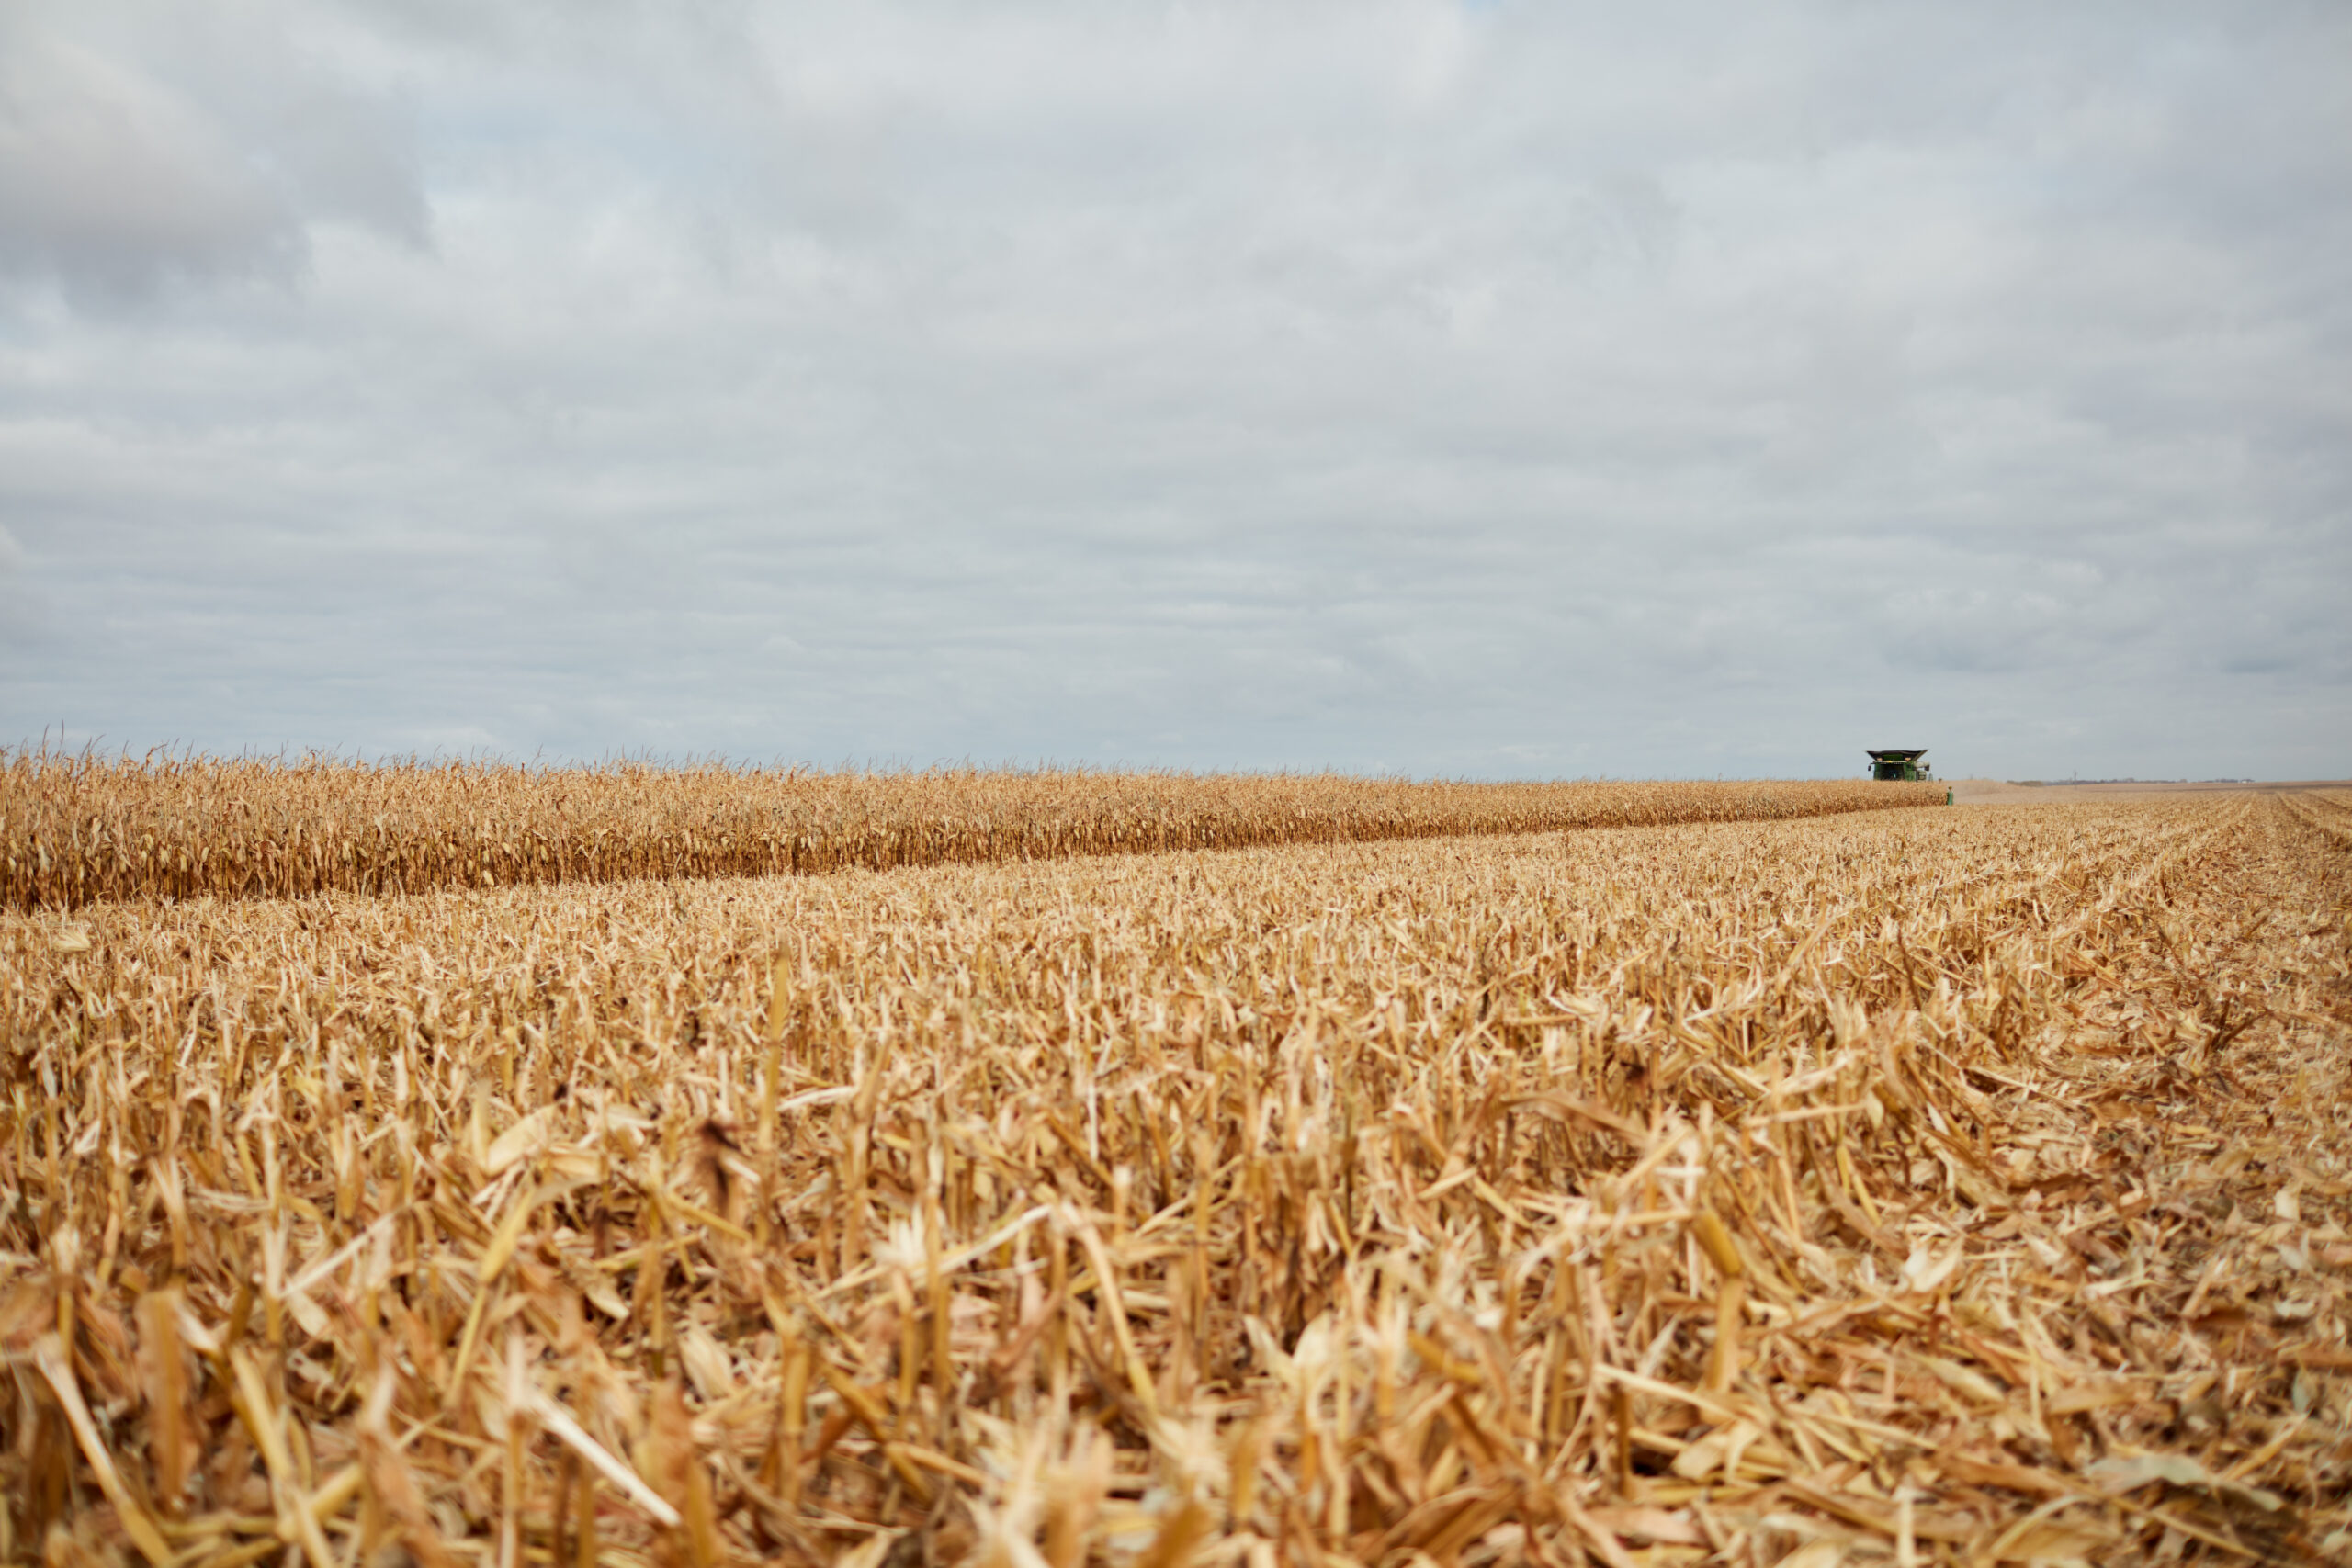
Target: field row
<point x="78" y="830"/>
<point x="1936" y="1185"/>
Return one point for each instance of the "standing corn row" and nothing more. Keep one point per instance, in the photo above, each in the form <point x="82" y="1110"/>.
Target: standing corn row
<point x="75" y="830"/>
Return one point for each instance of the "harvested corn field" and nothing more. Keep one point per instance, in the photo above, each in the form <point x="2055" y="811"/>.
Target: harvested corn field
<point x="74" y="830"/>
<point x="1910" y="1187"/>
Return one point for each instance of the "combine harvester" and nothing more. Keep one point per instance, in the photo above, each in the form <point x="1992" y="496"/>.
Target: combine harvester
<point x="1903" y="764"/>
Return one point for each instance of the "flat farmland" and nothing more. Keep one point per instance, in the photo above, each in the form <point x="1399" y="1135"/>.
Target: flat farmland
<point x="1916" y="1186"/>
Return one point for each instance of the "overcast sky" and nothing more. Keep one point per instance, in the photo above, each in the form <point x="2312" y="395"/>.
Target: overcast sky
<point x="1500" y="389"/>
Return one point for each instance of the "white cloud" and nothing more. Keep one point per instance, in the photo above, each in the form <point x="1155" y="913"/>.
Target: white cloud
<point x="1491" y="389"/>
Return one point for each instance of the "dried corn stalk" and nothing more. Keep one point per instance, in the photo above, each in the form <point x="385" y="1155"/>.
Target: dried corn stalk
<point x="1918" y="1186"/>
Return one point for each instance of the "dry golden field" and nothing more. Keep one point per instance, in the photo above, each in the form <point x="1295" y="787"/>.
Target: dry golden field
<point x="1904" y="1185"/>
<point x="74" y="830"/>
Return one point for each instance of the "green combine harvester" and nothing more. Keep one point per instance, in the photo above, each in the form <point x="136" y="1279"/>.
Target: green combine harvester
<point x="1901" y="763"/>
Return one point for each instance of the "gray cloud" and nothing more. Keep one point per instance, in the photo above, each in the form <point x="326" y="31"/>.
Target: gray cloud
<point x="1499" y="390"/>
<point x="147" y="144"/>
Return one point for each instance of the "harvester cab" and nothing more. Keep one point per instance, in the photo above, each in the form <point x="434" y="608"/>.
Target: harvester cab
<point x="1901" y="763"/>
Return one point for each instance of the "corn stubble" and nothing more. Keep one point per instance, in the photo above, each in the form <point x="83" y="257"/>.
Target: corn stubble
<point x="1914" y="1186"/>
<point x="77" y="829"/>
